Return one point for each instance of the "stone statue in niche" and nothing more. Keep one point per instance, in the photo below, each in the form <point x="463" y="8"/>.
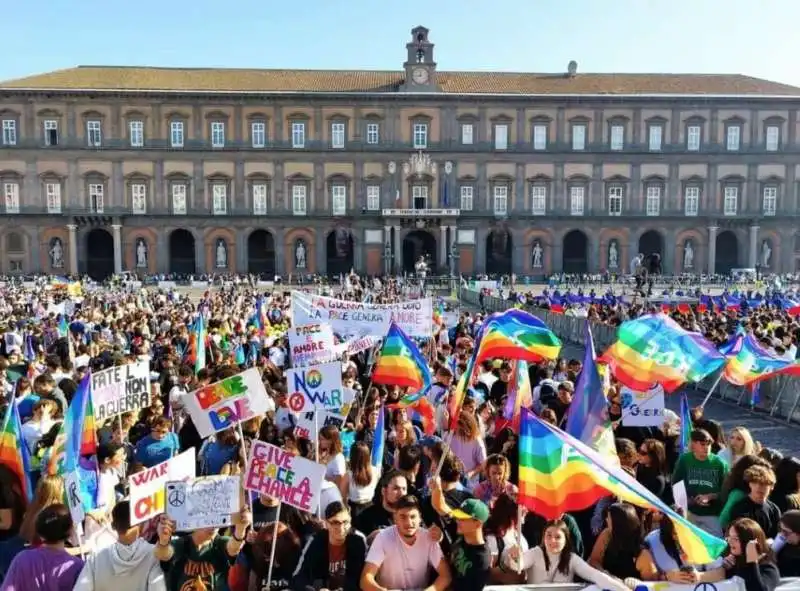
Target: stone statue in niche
<point x="56" y="253"/>
<point x="222" y="254"/>
<point x="766" y="253"/>
<point x="300" y="255"/>
<point x="688" y="255"/>
<point x="141" y="254"/>
<point x="537" y="255"/>
<point x="613" y="255"/>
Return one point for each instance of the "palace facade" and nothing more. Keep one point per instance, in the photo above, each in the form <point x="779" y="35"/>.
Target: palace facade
<point x="160" y="170"/>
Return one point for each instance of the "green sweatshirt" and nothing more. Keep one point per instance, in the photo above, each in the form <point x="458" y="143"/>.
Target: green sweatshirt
<point x="701" y="478"/>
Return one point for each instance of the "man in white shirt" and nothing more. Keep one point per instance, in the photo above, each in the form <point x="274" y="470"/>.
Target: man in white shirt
<point x="401" y="556"/>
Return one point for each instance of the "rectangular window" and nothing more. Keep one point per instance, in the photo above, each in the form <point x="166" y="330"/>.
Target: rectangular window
<point x="11" y="197"/>
<point x="299" y="199"/>
<point x="139" y="198"/>
<point x="219" y="193"/>
<point x="540" y="137"/>
<point x="693" y="138"/>
<point x="730" y="204"/>
<point x="258" y="134"/>
<point x="94" y="134"/>
<point x="773" y="138"/>
<point x="617" y="137"/>
<point x="217" y="134"/>
<point x="298" y="134"/>
<point x="691" y="201"/>
<point x="179" y="199"/>
<point x="500" y="200"/>
<point x="420" y="136"/>
<point x="656" y="137"/>
<point x="539" y="199"/>
<point x="51" y="132"/>
<point x="770" y="200"/>
<point x="337" y="135"/>
<point x="733" y="137"/>
<point x="419" y="196"/>
<point x="176" y="134"/>
<point x="136" y="130"/>
<point x="576" y="200"/>
<point x="373" y="133"/>
<point x="653" y="203"/>
<point x="578" y="137"/>
<point x="96" y="198"/>
<point x="501" y="137"/>
<point x="9" y="132"/>
<point x="339" y="200"/>
<point x="373" y="197"/>
<point x="259" y="198"/>
<point x="467" y="134"/>
<point x="52" y="194"/>
<point x="615" y="200"/>
<point x="467" y="196"/>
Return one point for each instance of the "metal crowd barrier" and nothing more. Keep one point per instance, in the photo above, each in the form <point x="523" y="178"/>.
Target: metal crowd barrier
<point x="778" y="397"/>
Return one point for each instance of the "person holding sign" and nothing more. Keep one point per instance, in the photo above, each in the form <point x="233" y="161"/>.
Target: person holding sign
<point x="202" y="557"/>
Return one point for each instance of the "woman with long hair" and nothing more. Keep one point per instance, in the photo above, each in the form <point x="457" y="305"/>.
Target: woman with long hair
<point x="749" y="557"/>
<point x="361" y="478"/>
<point x="49" y="491"/>
<point x="740" y="444"/>
<point x="332" y="457"/>
<point x="287" y="553"/>
<point x="652" y="469"/>
<point x="663" y="548"/>
<point x="625" y="558"/>
<point x="468" y="446"/>
<point x="786" y="494"/>
<point x="496" y="470"/>
<point x="501" y="530"/>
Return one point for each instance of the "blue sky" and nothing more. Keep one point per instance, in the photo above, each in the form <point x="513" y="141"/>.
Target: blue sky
<point x="758" y="38"/>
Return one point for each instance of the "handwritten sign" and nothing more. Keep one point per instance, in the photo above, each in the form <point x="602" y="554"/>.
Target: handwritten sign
<point x="307" y="428"/>
<point x="293" y="479"/>
<point x="121" y="389"/>
<point x="318" y="386"/>
<point x="643" y="409"/>
<point x="72" y="490"/>
<point x="148" y="486"/>
<point x="210" y="501"/>
<point x="218" y="406"/>
<point x="311" y="343"/>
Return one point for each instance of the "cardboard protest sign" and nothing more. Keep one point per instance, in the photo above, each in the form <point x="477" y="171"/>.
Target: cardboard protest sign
<point x="293" y="479"/>
<point x="318" y="386"/>
<point x="148" y="486"/>
<point x="643" y="409"/>
<point x="307" y="429"/>
<point x="121" y="389"/>
<point x="209" y="501"/>
<point x="311" y="343"/>
<point x="218" y="406"/>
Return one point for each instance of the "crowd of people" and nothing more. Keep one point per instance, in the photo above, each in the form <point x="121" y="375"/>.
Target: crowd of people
<point x="433" y="513"/>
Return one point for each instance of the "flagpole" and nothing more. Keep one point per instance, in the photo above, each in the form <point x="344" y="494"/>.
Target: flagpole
<point x="711" y="391"/>
<point x="274" y="543"/>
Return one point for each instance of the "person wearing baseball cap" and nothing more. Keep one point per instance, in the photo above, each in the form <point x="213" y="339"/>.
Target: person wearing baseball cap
<point x="470" y="560"/>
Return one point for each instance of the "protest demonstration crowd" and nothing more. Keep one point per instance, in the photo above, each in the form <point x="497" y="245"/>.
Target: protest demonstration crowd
<point x="371" y="434"/>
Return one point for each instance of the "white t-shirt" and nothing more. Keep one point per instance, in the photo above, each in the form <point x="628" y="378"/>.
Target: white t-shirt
<point x="336" y="466"/>
<point x="328" y="494"/>
<point x="401" y="566"/>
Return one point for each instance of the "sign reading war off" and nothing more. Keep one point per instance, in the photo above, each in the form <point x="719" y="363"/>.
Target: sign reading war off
<point x="315" y="387"/>
<point x="292" y="479"/>
<point x="235" y="399"/>
<point x="311" y="343"/>
<point x="121" y="389"/>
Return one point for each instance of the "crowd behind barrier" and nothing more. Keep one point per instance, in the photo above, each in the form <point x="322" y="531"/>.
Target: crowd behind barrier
<point x="779" y="396"/>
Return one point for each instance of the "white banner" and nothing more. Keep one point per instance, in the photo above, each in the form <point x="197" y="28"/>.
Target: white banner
<point x="355" y="319"/>
<point x="147" y="486"/>
<point x="167" y="285"/>
<point x="292" y="479"/>
<point x="307" y="428"/>
<point x="642" y="409"/>
<point x="120" y="389"/>
<point x="224" y="404"/>
<point x="318" y="386"/>
<point x="734" y="584"/>
<point x="311" y="343"/>
<point x="210" y="501"/>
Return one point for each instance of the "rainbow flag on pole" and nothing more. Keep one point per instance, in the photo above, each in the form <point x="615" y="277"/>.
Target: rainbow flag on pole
<point x="752" y="363"/>
<point x="14" y="453"/>
<point x="400" y="363"/>
<point x="558" y="473"/>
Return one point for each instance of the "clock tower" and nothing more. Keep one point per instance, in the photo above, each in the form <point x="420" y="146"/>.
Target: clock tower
<point x="420" y="69"/>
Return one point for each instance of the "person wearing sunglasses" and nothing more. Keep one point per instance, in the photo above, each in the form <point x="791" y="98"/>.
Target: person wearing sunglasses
<point x="787" y="544"/>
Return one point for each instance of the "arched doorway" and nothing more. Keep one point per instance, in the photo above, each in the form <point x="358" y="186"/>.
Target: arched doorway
<point x="727" y="253"/>
<point x="261" y="253"/>
<point x="99" y="254"/>
<point x="339" y="251"/>
<point x="182" y="252"/>
<point x="499" y="246"/>
<point x="650" y="243"/>
<point x="419" y="243"/>
<point x="576" y="250"/>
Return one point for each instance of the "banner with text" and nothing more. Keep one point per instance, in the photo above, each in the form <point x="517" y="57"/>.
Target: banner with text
<point x="121" y="389"/>
<point x="349" y="319"/>
<point x="311" y="343"/>
<point x="218" y="406"/>
<point x="642" y="409"/>
<point x="292" y="479"/>
<point x="318" y="386"/>
<point x="148" y="486"/>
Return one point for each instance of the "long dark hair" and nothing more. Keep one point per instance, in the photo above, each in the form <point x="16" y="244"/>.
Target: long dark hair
<point x="626" y="529"/>
<point x="566" y="553"/>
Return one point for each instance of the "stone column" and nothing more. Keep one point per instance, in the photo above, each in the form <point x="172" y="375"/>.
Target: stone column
<point x="398" y="250"/>
<point x="442" y="247"/>
<point x="386" y="253"/>
<point x="73" y="249"/>
<point x="712" y="249"/>
<point x="117" y="233"/>
<point x="451" y="248"/>
<point x="752" y="253"/>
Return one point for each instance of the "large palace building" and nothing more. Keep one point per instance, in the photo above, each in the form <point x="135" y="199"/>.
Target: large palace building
<point x="160" y="170"/>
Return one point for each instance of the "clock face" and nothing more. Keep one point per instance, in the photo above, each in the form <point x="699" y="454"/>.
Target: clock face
<point x="419" y="75"/>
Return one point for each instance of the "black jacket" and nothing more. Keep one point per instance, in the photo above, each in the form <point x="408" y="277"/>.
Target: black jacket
<point x="313" y="563"/>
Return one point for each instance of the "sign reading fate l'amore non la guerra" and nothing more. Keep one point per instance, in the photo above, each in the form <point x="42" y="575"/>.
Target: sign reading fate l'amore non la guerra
<point x="121" y="389"/>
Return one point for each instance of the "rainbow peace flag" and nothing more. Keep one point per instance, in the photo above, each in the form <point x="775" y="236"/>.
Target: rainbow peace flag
<point x="558" y="473"/>
<point x="14" y="454"/>
<point x="753" y="363"/>
<point x="654" y="349"/>
<point x="77" y="436"/>
<point x="400" y="363"/>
